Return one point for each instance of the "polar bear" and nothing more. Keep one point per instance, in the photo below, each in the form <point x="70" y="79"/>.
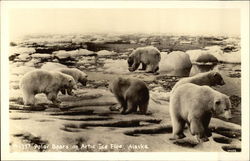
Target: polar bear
<point x="130" y="93"/>
<point x="78" y="76"/>
<point x="42" y="81"/>
<point x="211" y="78"/>
<point x="148" y="56"/>
<point x="195" y="105"/>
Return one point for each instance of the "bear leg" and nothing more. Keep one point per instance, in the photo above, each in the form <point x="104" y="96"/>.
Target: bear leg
<point x="52" y="96"/>
<point x="143" y="108"/>
<point x="63" y="91"/>
<point x="151" y="68"/>
<point x="134" y="66"/>
<point x="70" y="92"/>
<point x="144" y="66"/>
<point x="131" y="107"/>
<point x="197" y="129"/>
<point x="122" y="102"/>
<point x="156" y="69"/>
<point x="205" y="121"/>
<point x="178" y="127"/>
<point x="28" y="99"/>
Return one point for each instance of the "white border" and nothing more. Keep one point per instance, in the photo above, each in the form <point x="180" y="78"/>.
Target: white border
<point x="6" y="155"/>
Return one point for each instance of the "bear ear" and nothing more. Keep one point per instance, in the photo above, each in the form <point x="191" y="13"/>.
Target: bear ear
<point x="213" y="73"/>
<point x="121" y="80"/>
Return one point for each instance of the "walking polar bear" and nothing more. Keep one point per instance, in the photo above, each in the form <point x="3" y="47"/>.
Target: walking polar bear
<point x="195" y="105"/>
<point x="131" y="94"/>
<point x="49" y="83"/>
<point x="148" y="56"/>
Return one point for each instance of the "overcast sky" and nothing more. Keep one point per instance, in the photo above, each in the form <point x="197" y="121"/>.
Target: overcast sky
<point x="175" y="21"/>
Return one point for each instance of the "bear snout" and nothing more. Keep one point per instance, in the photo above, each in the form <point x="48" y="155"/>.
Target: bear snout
<point x="75" y="86"/>
<point x="228" y="115"/>
<point x="222" y="82"/>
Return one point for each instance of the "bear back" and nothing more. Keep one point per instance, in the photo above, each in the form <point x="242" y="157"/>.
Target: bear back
<point x="211" y="78"/>
<point x="64" y="80"/>
<point x="200" y="97"/>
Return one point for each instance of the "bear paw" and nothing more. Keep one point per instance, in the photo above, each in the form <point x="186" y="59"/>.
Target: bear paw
<point x="177" y="136"/>
<point x="124" y="112"/>
<point x="131" y="69"/>
<point x="201" y="140"/>
<point x="56" y="102"/>
<point x="115" y="107"/>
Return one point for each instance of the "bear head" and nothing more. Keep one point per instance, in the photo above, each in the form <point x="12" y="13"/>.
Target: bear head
<point x="118" y="83"/>
<point x="222" y="106"/>
<point x="133" y="62"/>
<point x="216" y="78"/>
<point x="71" y="84"/>
<point x="83" y="79"/>
<point x="130" y="61"/>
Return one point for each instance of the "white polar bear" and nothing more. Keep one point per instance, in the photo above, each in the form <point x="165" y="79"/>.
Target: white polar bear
<point x="195" y="105"/>
<point x="131" y="94"/>
<point x="42" y="81"/>
<point x="148" y="56"/>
